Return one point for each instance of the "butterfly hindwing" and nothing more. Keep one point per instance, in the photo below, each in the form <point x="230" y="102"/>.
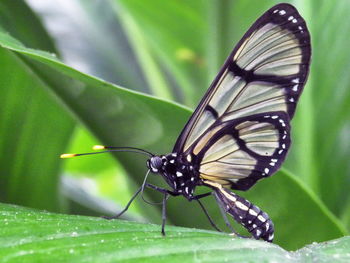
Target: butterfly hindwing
<point x="245" y="113"/>
<point x="245" y="150"/>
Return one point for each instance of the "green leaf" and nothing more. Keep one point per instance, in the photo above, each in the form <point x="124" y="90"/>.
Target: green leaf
<point x="331" y="95"/>
<point x="97" y="44"/>
<point x="180" y="51"/>
<point x="151" y="69"/>
<point x="114" y="115"/>
<point x="34" y="236"/>
<point x="14" y="17"/>
<point x="33" y="126"/>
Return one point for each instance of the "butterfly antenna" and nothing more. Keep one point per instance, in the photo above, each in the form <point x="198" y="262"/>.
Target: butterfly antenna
<point x="108" y="149"/>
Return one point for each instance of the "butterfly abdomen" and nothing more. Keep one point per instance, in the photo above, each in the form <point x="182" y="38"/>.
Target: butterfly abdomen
<point x="245" y="213"/>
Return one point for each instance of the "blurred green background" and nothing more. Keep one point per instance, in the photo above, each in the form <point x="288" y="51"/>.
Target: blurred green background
<point x="164" y="54"/>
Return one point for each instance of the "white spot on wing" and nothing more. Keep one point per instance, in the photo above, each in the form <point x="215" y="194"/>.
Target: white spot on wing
<point x="266" y="170"/>
<point x="296" y="80"/>
<point x="282" y="122"/>
<point x="294" y="20"/>
<point x="290" y="18"/>
<point x="282" y="12"/>
<point x="258" y="232"/>
<point x="295" y="88"/>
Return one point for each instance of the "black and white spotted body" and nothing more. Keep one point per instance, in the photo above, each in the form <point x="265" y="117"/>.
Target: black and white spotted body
<point x="182" y="176"/>
<point x="179" y="172"/>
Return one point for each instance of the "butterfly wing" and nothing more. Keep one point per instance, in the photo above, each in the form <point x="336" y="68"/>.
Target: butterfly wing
<point x="239" y="133"/>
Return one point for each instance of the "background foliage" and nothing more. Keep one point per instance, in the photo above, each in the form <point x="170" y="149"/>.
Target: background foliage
<point x="165" y="54"/>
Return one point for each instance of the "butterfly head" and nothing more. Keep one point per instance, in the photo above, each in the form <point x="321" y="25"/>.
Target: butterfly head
<point x="155" y="163"/>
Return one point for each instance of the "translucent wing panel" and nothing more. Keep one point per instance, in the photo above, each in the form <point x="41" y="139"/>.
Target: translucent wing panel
<point x="226" y="170"/>
<point x="230" y="88"/>
<point x="222" y="147"/>
<point x="259" y="137"/>
<point x="277" y="52"/>
<point x="245" y="151"/>
<point x="205" y="121"/>
<point x="257" y="97"/>
<point x="203" y="141"/>
<point x="226" y="164"/>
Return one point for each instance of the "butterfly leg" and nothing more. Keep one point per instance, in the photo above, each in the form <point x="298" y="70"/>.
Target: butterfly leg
<point x="165" y="198"/>
<point x="166" y="193"/>
<point x="197" y="197"/>
<point x="162" y="190"/>
<point x="126" y="207"/>
<point x="248" y="215"/>
<point x="223" y="213"/>
<point x="208" y="216"/>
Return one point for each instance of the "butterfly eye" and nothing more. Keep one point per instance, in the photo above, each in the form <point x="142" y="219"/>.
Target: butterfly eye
<point x="155" y="164"/>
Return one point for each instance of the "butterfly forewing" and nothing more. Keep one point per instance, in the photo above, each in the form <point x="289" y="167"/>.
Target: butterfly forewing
<point x="240" y="130"/>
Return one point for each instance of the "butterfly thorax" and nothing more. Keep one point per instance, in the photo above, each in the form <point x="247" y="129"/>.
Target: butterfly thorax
<point x="179" y="172"/>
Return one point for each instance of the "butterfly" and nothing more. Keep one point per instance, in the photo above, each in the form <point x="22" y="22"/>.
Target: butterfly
<point x="240" y="131"/>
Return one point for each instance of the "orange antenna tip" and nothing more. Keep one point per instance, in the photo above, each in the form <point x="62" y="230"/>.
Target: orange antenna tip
<point x="67" y="155"/>
<point x="98" y="147"/>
